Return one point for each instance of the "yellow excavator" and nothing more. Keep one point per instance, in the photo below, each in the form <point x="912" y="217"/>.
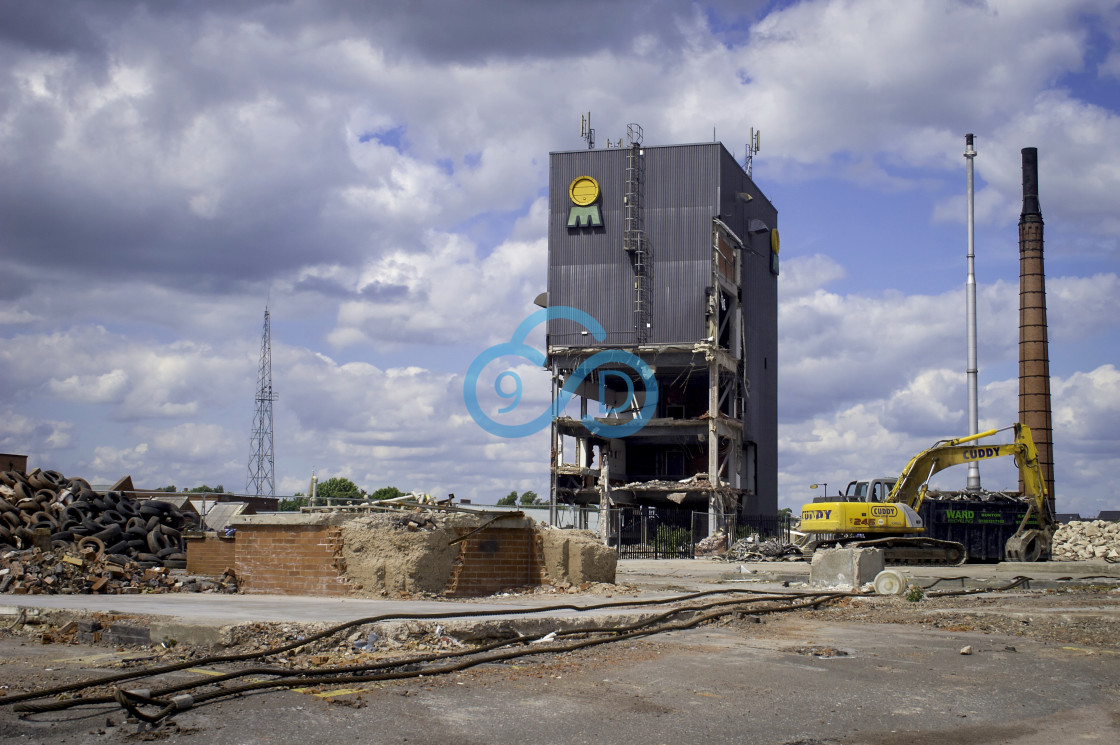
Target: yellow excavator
<point x="894" y="524"/>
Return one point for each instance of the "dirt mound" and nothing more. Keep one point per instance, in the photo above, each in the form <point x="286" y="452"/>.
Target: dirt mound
<point x="427" y="553"/>
<point x="402" y="553"/>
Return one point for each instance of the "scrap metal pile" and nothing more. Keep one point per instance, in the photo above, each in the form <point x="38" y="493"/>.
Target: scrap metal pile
<point x="983" y="495"/>
<point x="64" y="537"/>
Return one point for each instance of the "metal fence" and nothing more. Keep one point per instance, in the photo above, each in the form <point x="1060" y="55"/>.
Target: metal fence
<point x="661" y="533"/>
<point x="766" y="527"/>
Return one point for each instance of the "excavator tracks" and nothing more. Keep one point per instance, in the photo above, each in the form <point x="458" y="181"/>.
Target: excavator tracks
<point x="905" y="550"/>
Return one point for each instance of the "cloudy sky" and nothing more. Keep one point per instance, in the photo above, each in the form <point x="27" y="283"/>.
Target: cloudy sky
<point x="376" y="173"/>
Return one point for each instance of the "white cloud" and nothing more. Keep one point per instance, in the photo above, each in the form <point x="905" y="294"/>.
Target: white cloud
<point x="91" y="388"/>
<point x="34" y="437"/>
<point x="180" y="163"/>
<point x="870" y="439"/>
<point x="439" y="280"/>
<point x="108" y="461"/>
<point x="135" y="379"/>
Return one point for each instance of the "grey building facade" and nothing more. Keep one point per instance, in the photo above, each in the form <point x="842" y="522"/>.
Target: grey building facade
<point x="674" y="251"/>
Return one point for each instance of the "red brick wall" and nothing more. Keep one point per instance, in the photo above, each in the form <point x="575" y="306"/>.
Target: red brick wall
<point x="290" y="560"/>
<point x="307" y="560"/>
<point x="210" y="555"/>
<point x="496" y="559"/>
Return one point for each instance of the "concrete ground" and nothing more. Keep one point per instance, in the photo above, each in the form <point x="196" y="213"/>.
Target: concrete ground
<point x="811" y="678"/>
<point x="650" y="578"/>
<point x="199" y="617"/>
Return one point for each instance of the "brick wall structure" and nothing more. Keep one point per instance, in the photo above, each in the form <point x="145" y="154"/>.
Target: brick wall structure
<point x="290" y="560"/>
<point x="210" y="555"/>
<point x="302" y="554"/>
<point x="496" y="559"/>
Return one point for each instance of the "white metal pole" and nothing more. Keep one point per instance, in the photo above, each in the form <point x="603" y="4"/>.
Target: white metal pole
<point x="973" y="484"/>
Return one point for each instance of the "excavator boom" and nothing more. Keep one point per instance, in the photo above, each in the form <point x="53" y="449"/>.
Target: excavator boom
<point x="895" y="523"/>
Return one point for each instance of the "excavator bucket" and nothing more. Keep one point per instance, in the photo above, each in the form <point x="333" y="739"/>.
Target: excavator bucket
<point x="1027" y="545"/>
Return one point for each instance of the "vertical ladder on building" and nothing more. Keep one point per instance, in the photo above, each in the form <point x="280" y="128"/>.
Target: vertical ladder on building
<point x="633" y="238"/>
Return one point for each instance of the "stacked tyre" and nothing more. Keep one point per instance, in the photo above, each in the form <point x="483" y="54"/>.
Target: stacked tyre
<point x="114" y="524"/>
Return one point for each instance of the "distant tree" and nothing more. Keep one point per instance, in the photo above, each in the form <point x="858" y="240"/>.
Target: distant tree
<point x="386" y="492"/>
<point x="526" y="499"/>
<point x="169" y="489"/>
<point x="338" y="487"/>
<point x="293" y="504"/>
<point x="204" y="489"/>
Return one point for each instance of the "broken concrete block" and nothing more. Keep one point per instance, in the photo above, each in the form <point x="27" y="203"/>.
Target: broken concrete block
<point x="120" y="633"/>
<point x="845" y="567"/>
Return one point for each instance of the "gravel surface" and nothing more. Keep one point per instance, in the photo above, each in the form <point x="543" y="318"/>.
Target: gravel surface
<point x="1087" y="616"/>
<point x="792" y="667"/>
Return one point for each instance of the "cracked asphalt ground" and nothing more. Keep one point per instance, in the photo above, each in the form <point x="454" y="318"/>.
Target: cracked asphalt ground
<point x="1044" y="668"/>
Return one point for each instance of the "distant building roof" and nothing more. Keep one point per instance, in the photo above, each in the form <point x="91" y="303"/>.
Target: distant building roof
<point x="178" y="501"/>
<point x="217" y="516"/>
<point x="1067" y="517"/>
<point x="1111" y="515"/>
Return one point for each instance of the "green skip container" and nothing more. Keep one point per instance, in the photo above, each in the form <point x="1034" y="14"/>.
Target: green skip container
<point x="983" y="527"/>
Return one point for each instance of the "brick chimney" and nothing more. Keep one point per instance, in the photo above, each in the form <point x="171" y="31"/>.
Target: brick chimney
<point x="1034" y="355"/>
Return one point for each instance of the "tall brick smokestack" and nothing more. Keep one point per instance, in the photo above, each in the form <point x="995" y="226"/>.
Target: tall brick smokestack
<point x="1034" y="355"/>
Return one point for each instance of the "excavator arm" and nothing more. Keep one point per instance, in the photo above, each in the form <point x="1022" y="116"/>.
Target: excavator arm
<point x="895" y="524"/>
<point x="1024" y="545"/>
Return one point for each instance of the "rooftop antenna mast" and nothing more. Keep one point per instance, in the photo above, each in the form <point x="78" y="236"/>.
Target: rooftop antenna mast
<point x="261" y="481"/>
<point x="585" y="130"/>
<point x="752" y="148"/>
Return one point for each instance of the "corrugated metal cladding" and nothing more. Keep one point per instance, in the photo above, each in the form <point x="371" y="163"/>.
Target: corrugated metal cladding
<point x="685" y="186"/>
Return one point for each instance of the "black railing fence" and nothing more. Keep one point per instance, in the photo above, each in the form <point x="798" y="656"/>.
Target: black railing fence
<point x="664" y="533"/>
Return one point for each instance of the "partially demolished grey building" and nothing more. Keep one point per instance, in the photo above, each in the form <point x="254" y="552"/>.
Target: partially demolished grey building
<point x="674" y="252"/>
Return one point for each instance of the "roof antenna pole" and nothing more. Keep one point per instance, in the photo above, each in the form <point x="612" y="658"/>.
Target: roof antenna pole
<point x="973" y="483"/>
<point x="752" y="150"/>
<point x="586" y="133"/>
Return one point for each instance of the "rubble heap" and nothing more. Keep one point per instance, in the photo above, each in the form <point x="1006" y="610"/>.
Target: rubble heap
<point x="747" y="549"/>
<point x="1087" y="539"/>
<point x="713" y="544"/>
<point x="33" y="572"/>
<point x="60" y="517"/>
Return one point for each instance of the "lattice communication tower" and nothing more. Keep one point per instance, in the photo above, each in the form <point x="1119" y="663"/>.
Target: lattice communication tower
<point x="262" y="465"/>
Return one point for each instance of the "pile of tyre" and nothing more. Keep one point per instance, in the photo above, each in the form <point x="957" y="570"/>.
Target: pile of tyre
<point x="115" y="525"/>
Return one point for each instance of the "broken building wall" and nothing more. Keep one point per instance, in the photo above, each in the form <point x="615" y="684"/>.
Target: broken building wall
<point x="339" y="554"/>
<point x="699" y="276"/>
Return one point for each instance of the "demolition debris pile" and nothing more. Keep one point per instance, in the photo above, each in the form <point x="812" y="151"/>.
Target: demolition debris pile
<point x="32" y="572"/>
<point x="1087" y="539"/>
<point x="68" y="538"/>
<point x="747" y="549"/>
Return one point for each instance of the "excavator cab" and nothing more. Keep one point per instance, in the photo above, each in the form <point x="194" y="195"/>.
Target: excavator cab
<point x="872" y="490"/>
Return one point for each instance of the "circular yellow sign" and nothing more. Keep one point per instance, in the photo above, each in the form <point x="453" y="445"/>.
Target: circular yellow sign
<point x="774" y="240"/>
<point x="583" y="191"/>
